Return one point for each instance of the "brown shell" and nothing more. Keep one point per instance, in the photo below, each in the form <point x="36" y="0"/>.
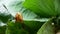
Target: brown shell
<point x="19" y="17"/>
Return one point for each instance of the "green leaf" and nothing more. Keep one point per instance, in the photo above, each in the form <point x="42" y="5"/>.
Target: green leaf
<point x="2" y="29"/>
<point x="47" y="28"/>
<point x="43" y="8"/>
<point x="33" y="26"/>
<point x="4" y="18"/>
<point x="15" y="28"/>
<point x="57" y="6"/>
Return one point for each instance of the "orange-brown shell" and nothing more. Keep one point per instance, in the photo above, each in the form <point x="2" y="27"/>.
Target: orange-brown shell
<point x="19" y="17"/>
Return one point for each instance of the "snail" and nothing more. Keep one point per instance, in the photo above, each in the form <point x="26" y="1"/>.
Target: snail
<point x="19" y="17"/>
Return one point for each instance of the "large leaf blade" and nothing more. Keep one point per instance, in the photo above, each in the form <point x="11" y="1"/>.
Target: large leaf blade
<point x="44" y="8"/>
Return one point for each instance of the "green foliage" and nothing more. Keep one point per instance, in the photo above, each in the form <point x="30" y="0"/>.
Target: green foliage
<point x="15" y="28"/>
<point x="43" y="8"/>
<point x="47" y="28"/>
<point x="30" y="9"/>
<point x="2" y="29"/>
<point x="4" y="18"/>
<point x="57" y="6"/>
<point x="33" y="26"/>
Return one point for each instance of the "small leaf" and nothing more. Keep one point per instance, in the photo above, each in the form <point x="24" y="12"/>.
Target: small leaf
<point x="47" y="28"/>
